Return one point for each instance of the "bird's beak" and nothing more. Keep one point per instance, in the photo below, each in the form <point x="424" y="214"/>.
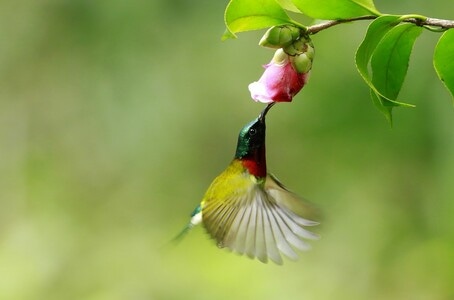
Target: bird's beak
<point x="265" y="111"/>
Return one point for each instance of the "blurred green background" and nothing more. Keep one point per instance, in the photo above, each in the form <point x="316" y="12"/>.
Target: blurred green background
<point x="116" y="115"/>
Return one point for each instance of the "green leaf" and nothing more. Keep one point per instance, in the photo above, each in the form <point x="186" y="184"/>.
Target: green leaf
<point x="288" y="5"/>
<point x="375" y="32"/>
<point x="389" y="46"/>
<point x="245" y="15"/>
<point x="227" y="35"/>
<point x="390" y="60"/>
<point x="381" y="104"/>
<point x="444" y="60"/>
<point x="336" y="9"/>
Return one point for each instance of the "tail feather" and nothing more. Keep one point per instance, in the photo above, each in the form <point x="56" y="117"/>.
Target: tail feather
<point x="179" y="237"/>
<point x="196" y="218"/>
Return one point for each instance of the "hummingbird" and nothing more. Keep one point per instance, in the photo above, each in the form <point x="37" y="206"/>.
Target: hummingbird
<point x="248" y="210"/>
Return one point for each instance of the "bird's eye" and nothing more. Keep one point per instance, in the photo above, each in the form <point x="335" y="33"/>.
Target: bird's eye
<point x="252" y="131"/>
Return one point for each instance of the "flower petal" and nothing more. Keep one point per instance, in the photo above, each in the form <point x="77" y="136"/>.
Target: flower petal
<point x="259" y="92"/>
<point x="280" y="82"/>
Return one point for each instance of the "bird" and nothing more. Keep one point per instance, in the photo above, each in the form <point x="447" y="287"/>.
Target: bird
<point x="249" y="211"/>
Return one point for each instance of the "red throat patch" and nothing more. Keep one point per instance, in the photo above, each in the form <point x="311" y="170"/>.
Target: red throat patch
<point x="254" y="167"/>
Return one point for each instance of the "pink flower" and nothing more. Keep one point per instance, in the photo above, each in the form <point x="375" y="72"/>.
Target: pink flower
<point x="280" y="82"/>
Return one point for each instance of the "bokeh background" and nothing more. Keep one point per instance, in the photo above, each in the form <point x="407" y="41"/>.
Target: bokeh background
<point x="116" y="115"/>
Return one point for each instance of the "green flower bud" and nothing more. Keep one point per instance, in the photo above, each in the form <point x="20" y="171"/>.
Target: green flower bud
<point x="271" y="38"/>
<point x="310" y="52"/>
<point x="295" y="31"/>
<point x="302" y="63"/>
<point x="302" y="45"/>
<point x="280" y="57"/>
<point x="279" y="36"/>
<point x="294" y="48"/>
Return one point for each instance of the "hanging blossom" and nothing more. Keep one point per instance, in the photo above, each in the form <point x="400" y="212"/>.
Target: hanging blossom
<point x="288" y="71"/>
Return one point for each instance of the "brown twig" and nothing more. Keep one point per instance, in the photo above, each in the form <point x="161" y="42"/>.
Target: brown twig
<point x="322" y="26"/>
<point x="429" y="23"/>
<point x="433" y="23"/>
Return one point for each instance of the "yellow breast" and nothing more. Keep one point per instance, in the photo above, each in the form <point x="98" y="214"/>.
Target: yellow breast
<point x="233" y="182"/>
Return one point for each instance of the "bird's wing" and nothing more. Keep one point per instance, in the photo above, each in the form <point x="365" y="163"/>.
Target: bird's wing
<point x="260" y="220"/>
<point x="291" y="201"/>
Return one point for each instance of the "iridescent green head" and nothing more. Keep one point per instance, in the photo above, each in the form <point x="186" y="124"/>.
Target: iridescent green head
<point x="252" y="136"/>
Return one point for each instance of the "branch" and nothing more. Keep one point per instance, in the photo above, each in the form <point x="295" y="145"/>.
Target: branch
<point x="322" y="26"/>
<point x="433" y="23"/>
<point x="429" y="23"/>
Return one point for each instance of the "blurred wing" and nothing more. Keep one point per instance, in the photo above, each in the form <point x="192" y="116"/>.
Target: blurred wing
<point x="291" y="201"/>
<point x="259" y="222"/>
